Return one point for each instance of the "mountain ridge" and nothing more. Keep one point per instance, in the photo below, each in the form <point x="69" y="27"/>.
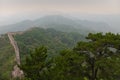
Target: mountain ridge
<point x="57" y="22"/>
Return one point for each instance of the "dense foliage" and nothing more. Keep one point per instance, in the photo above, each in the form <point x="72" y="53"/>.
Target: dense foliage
<point x="28" y="40"/>
<point x="54" y="40"/>
<point x="35" y="65"/>
<point x="96" y="59"/>
<point x="7" y="57"/>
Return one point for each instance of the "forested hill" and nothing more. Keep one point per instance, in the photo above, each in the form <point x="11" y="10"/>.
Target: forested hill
<point x="7" y="58"/>
<point x="54" y="40"/>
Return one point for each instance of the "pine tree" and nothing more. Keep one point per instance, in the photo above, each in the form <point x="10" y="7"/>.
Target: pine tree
<point x="35" y="64"/>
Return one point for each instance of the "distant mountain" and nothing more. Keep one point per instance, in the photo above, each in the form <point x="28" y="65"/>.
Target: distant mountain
<point x="112" y="19"/>
<point x="57" y="22"/>
<point x="24" y="25"/>
<point x="95" y="26"/>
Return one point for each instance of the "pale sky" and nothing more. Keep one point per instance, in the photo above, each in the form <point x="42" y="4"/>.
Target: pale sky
<point x="10" y="8"/>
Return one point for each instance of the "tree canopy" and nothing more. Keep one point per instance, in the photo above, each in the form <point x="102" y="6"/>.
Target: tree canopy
<point x="101" y="56"/>
<point x="95" y="59"/>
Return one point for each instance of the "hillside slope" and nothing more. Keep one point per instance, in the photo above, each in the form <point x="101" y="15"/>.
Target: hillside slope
<point x="7" y="58"/>
<point x="54" y="40"/>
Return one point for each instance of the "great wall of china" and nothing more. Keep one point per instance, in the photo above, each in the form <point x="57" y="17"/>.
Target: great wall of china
<point x="16" y="73"/>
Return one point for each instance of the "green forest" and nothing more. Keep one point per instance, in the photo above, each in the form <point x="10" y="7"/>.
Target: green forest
<point x="55" y="41"/>
<point x="95" y="59"/>
<point x="59" y="39"/>
<point x="48" y="54"/>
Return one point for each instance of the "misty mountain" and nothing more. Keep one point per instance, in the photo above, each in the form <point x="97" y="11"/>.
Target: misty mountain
<point x="112" y="20"/>
<point x="24" y="25"/>
<point x="57" y="22"/>
<point x="95" y="26"/>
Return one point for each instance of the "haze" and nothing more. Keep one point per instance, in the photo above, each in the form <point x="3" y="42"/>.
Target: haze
<point x="12" y="11"/>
